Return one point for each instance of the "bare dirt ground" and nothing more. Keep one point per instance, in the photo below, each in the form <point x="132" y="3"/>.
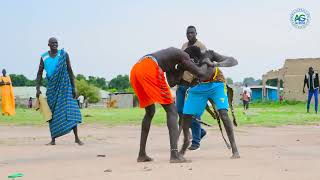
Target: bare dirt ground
<point x="282" y="153"/>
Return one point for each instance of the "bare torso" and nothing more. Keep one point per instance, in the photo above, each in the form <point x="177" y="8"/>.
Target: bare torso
<point x="170" y="57"/>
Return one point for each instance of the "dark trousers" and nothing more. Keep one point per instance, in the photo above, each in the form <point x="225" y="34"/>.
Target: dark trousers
<point x="245" y="104"/>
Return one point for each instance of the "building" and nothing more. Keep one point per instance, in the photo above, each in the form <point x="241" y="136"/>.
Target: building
<point x="271" y="93"/>
<point x="22" y="94"/>
<point x="292" y="75"/>
<point x="121" y="100"/>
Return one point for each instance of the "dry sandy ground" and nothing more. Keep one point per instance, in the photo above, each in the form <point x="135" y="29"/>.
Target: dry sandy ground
<point x="282" y="153"/>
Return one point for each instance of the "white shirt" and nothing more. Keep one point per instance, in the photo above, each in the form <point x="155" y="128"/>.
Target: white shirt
<point x="248" y="90"/>
<point x="81" y="99"/>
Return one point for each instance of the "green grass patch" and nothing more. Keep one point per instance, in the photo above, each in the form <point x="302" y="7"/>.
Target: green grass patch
<point x="260" y="114"/>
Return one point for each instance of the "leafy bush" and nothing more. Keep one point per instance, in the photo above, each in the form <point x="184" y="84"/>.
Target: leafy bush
<point x="86" y="90"/>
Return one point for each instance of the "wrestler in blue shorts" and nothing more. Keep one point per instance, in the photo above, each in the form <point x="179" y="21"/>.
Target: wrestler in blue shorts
<point x="197" y="131"/>
<point x="196" y="102"/>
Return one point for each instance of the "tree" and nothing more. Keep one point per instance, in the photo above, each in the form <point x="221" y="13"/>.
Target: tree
<point x="86" y="90"/>
<point x="101" y="82"/>
<point x="31" y="83"/>
<point x="92" y="80"/>
<point x="249" y="81"/>
<point x="80" y="76"/>
<point x="18" y="80"/>
<point x="229" y="80"/>
<point x="121" y="83"/>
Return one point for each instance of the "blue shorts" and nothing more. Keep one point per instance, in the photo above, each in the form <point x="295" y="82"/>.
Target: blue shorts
<point x="198" y="96"/>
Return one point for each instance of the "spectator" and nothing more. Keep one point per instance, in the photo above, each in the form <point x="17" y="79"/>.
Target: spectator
<point x="30" y="103"/>
<point x="81" y="101"/>
<point x="248" y="89"/>
<point x="245" y="99"/>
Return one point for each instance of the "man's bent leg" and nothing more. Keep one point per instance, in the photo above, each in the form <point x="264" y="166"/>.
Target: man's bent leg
<point x="229" y="128"/>
<point x="145" y="127"/>
<point x="171" y="111"/>
<point x="186" y="124"/>
<point x="77" y="139"/>
<point x="180" y="97"/>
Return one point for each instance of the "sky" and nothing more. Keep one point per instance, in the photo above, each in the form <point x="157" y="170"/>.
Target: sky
<point x="105" y="38"/>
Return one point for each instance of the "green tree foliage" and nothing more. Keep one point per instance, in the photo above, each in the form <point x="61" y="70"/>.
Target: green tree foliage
<point x="80" y="76"/>
<point x="18" y="80"/>
<point x="121" y="83"/>
<point x="21" y="80"/>
<point x="274" y="82"/>
<point x="86" y="90"/>
<point x="99" y="82"/>
<point x="129" y="89"/>
<point x="251" y="81"/>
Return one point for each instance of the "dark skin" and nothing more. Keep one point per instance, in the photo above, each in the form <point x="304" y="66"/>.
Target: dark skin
<point x="209" y="57"/>
<point x="218" y="60"/>
<point x="223" y="113"/>
<point x="53" y="45"/>
<point x="2" y="83"/>
<point x="174" y="62"/>
<point x="311" y="71"/>
<point x="191" y="36"/>
<point x="168" y="59"/>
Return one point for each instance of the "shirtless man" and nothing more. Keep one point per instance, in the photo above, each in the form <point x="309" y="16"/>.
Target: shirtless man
<point x="213" y="88"/>
<point x="149" y="83"/>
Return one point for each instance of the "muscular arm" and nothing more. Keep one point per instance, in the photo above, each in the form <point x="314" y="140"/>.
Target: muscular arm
<point x="173" y="78"/>
<point x="304" y="83"/>
<point x="200" y="72"/>
<point x="218" y="60"/>
<point x="39" y="76"/>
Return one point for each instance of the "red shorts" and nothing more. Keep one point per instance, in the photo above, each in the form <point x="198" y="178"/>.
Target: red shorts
<point x="149" y="83"/>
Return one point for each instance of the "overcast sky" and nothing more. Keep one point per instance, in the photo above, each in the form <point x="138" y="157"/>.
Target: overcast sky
<point x="105" y="38"/>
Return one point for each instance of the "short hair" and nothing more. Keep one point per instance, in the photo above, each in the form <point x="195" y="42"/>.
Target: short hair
<point x="189" y="27"/>
<point x="194" y="52"/>
<point x="52" y="39"/>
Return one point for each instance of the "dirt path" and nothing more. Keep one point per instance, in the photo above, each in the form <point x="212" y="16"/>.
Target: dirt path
<point x="283" y="153"/>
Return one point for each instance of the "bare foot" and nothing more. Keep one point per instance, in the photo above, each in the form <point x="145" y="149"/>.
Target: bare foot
<point x="52" y="143"/>
<point x="235" y="156"/>
<point x="80" y="143"/>
<point x="184" y="147"/>
<point x="179" y="159"/>
<point x="144" y="158"/>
